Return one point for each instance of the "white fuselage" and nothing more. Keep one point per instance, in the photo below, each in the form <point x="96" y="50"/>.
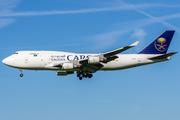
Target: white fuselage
<point x="44" y="60"/>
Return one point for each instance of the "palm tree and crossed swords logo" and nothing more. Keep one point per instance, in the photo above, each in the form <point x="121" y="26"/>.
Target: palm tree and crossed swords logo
<point x="160" y="44"/>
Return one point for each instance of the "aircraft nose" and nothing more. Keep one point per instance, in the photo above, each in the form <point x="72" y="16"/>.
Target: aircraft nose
<point x="7" y="61"/>
<point x="4" y="61"/>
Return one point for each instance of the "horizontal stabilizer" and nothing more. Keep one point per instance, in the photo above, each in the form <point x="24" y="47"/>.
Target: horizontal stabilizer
<point x="163" y="56"/>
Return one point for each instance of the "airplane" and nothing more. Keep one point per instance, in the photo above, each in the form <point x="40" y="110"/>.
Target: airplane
<point x="65" y="63"/>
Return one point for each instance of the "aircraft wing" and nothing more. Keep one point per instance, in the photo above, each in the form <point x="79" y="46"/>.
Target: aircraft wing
<point x="106" y="57"/>
<point x="114" y="52"/>
<point x="109" y="56"/>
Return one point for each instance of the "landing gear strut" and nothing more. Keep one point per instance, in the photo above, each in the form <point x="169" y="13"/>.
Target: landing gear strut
<point x="21" y="74"/>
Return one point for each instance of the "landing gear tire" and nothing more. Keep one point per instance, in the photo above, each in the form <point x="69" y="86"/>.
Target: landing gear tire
<point x="78" y="75"/>
<point x="80" y="78"/>
<point x="86" y="75"/>
<point x="90" y="75"/>
<point x="83" y="75"/>
<point x="21" y="75"/>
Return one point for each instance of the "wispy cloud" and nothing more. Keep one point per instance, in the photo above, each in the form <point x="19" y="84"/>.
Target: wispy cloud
<point x="43" y="47"/>
<point x="160" y="20"/>
<point x="91" y="10"/>
<point x="109" y="38"/>
<point x="106" y="39"/>
<point x="153" y="17"/>
<point x="6" y="6"/>
<point x="139" y="34"/>
<point x="6" y="22"/>
<point x="172" y="16"/>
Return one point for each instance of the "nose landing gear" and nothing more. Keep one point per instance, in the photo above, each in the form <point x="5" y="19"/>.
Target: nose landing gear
<point x="21" y="74"/>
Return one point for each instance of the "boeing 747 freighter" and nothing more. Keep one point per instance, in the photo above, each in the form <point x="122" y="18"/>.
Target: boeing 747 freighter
<point x="65" y="63"/>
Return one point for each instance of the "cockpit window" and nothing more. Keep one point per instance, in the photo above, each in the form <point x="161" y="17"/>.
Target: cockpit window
<point x="16" y="53"/>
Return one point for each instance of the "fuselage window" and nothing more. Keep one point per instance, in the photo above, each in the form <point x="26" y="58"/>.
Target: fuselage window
<point x="15" y="53"/>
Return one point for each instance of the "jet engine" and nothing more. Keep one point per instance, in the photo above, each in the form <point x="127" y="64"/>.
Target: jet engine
<point x="93" y="60"/>
<point x="67" y="66"/>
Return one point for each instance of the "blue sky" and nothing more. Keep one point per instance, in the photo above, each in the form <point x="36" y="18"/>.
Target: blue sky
<point x="91" y="26"/>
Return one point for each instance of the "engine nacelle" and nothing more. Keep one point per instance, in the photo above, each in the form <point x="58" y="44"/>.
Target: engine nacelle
<point x="67" y="66"/>
<point x="64" y="73"/>
<point x="93" y="60"/>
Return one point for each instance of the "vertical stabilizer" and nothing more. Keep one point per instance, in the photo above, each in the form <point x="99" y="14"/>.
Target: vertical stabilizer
<point x="159" y="45"/>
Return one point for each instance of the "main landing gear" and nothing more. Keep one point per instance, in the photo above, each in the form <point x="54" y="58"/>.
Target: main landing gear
<point x="82" y="75"/>
<point x="21" y="74"/>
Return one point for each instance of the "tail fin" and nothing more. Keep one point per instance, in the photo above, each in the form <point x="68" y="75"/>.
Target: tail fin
<point x="159" y="45"/>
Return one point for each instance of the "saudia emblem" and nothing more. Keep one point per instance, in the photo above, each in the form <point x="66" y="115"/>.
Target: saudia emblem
<point x="160" y="44"/>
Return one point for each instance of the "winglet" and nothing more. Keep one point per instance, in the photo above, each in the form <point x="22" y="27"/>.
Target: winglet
<point x="134" y="44"/>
